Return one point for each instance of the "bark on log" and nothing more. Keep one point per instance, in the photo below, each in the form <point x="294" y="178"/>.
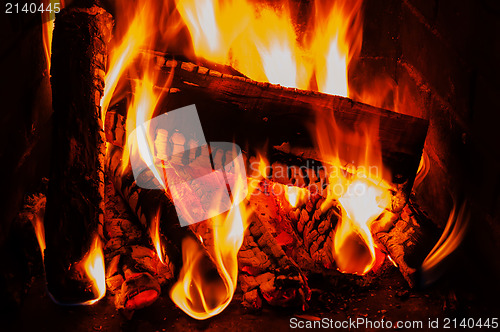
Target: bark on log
<point x="75" y="196"/>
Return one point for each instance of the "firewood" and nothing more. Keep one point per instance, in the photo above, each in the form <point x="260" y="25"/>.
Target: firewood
<point x="134" y="272"/>
<point x="407" y="238"/>
<point x="255" y="114"/>
<point x="75" y="198"/>
<point x="267" y="273"/>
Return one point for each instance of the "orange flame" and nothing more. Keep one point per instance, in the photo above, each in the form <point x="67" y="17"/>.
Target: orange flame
<point x="93" y="264"/>
<point x="48" y="16"/>
<point x="356" y="179"/>
<point x="261" y="42"/>
<point x="125" y="52"/>
<point x="197" y="292"/>
<point x="361" y="205"/>
<point x="450" y="239"/>
<point x="154" y="232"/>
<point x="40" y="233"/>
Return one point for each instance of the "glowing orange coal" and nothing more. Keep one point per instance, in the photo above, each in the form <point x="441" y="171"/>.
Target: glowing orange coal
<point x="202" y="291"/>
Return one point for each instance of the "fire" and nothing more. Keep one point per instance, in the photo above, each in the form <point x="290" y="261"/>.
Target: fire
<point x="141" y="109"/>
<point x="356" y="180"/>
<point x="154" y="232"/>
<point x="40" y="233"/>
<point x="122" y="54"/>
<point x="48" y="16"/>
<point x="93" y="264"/>
<point x="262" y="42"/>
<point x="200" y="292"/>
<point x="450" y="240"/>
<point x="295" y="195"/>
<point x="354" y="249"/>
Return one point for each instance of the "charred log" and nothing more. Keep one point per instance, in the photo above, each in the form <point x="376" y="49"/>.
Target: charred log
<point x="407" y="238"/>
<point x="134" y="272"/>
<point x="75" y="198"/>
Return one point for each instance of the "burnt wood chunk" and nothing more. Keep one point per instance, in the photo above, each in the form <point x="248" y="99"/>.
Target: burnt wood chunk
<point x="134" y="272"/>
<point x="75" y="198"/>
<point x="408" y="239"/>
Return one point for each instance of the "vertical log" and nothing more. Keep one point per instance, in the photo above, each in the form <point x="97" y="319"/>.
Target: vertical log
<point x="75" y="197"/>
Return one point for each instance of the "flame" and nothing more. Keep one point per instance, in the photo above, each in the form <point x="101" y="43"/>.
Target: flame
<point x="261" y="41"/>
<point x="37" y="223"/>
<point x="93" y="264"/>
<point x="295" y="195"/>
<point x="361" y="205"/>
<point x="450" y="239"/>
<point x="121" y="57"/>
<point x="198" y="292"/>
<point x="356" y="180"/>
<point x="263" y="168"/>
<point x="423" y="170"/>
<point x="48" y="27"/>
<point x="154" y="232"/>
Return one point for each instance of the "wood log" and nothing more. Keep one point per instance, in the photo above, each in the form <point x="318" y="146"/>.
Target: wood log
<point x="257" y="114"/>
<point x="134" y="272"/>
<point x="407" y="238"/>
<point x="75" y="196"/>
<point x="267" y="273"/>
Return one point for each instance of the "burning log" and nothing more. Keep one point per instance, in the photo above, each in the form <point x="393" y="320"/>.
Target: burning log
<point x="246" y="109"/>
<point x="75" y="198"/>
<point x="267" y="272"/>
<point x="407" y="238"/>
<point x="134" y="272"/>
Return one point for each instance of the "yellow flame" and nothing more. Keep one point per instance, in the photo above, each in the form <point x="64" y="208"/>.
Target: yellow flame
<point x="356" y="180"/>
<point x="122" y="54"/>
<point x="93" y="264"/>
<point x="361" y="205"/>
<point x="48" y="17"/>
<point x="144" y="101"/>
<point x="261" y="41"/>
<point x="295" y="195"/>
<point x="154" y="232"/>
<point x="198" y="294"/>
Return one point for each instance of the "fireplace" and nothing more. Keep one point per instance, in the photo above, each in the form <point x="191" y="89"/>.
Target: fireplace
<point x="411" y="242"/>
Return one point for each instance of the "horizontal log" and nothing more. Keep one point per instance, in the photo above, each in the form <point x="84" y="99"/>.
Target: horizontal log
<point x="255" y="114"/>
